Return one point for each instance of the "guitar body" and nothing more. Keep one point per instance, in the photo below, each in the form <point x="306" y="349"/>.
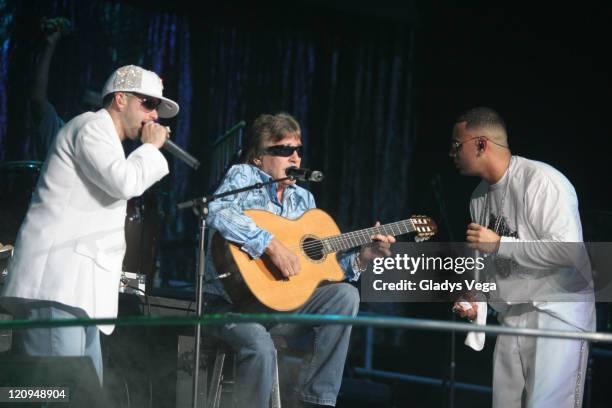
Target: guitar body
<point x="248" y="279"/>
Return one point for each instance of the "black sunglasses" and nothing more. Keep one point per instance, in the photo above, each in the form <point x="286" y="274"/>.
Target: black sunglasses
<point x="147" y="102"/>
<point x="284" y="150"/>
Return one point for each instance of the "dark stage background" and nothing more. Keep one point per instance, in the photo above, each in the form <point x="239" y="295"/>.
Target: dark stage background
<point x="376" y="88"/>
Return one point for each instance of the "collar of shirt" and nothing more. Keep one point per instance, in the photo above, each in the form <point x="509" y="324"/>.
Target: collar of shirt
<point x="271" y="188"/>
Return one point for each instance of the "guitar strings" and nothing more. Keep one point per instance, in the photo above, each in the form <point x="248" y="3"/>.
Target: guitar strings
<point x="338" y="242"/>
<point x="357" y="236"/>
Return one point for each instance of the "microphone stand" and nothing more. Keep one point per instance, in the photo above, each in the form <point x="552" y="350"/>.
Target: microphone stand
<point x="200" y="209"/>
<point x="436" y="184"/>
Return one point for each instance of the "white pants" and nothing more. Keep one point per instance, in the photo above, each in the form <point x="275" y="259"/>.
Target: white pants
<point x="538" y="372"/>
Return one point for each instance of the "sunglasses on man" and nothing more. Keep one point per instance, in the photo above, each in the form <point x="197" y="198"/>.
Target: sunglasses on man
<point x="284" y="150"/>
<point x="147" y="102"/>
<point x="456" y="145"/>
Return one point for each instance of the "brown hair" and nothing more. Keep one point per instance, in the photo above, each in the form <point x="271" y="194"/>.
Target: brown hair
<point x="268" y="128"/>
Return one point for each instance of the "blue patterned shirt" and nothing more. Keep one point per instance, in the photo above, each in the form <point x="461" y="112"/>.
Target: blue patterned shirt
<point x="226" y="216"/>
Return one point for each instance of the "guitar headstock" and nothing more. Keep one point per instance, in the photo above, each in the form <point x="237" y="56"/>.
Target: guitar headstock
<point x="424" y="226"/>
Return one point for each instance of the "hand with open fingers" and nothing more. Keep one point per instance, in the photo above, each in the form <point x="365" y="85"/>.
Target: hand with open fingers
<point x="380" y="247"/>
<point x="155" y="134"/>
<point x="482" y="238"/>
<point x="286" y="261"/>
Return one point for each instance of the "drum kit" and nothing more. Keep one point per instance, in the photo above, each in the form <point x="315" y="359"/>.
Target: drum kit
<point x="17" y="183"/>
<point x="18" y="180"/>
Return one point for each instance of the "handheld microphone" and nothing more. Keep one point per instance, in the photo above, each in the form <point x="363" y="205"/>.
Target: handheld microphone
<point x="179" y="153"/>
<point x="304" y="174"/>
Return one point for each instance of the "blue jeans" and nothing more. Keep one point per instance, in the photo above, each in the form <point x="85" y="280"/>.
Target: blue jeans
<point x="58" y="341"/>
<point x="321" y="376"/>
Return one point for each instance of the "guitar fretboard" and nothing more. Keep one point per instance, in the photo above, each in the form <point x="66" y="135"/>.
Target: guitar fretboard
<point x="354" y="239"/>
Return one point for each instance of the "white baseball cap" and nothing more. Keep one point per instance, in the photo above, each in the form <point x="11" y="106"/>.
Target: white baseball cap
<point x="132" y="78"/>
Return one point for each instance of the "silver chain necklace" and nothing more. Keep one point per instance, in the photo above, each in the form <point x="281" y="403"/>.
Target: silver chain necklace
<point x="485" y="214"/>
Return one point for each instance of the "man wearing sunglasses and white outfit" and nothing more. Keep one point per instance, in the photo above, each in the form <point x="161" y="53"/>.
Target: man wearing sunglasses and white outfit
<point x="274" y="144"/>
<point x="70" y="248"/>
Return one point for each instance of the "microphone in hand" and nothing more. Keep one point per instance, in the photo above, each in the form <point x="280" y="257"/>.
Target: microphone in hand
<point x="180" y="153"/>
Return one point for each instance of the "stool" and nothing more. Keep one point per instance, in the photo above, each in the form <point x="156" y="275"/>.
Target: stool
<point x="215" y="389"/>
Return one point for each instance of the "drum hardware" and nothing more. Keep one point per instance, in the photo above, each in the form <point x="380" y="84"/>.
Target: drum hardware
<point x="134" y="283"/>
<point x="17" y="183"/>
<point x="143" y="217"/>
<point x="6" y="252"/>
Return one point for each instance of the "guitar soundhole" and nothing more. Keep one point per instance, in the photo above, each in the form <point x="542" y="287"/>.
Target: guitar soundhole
<point x="313" y="248"/>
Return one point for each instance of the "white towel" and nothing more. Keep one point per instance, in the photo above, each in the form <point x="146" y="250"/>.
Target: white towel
<point x="476" y="340"/>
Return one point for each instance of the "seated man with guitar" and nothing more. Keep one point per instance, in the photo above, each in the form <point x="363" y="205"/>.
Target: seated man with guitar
<point x="273" y="145"/>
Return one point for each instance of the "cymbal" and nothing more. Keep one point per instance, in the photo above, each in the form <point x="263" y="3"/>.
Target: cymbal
<point x="5" y="251"/>
<point x="21" y="164"/>
<point x="5" y="248"/>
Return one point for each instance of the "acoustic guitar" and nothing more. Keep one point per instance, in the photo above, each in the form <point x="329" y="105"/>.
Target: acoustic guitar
<point x="315" y="239"/>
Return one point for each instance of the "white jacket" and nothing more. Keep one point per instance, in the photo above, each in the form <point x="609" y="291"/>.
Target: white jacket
<point x="71" y="245"/>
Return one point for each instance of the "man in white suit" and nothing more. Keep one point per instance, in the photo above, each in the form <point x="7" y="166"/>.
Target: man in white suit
<point x="70" y="248"/>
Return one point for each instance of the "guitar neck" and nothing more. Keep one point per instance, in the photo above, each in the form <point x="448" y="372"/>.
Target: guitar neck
<point x="354" y="239"/>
